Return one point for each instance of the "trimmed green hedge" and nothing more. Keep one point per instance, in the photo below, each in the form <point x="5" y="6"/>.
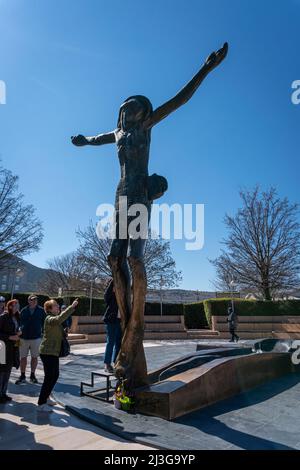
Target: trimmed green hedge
<point x="194" y="316"/>
<point x="83" y="309"/>
<point x="98" y="305"/>
<point x="198" y="315"/>
<point x="153" y="308"/>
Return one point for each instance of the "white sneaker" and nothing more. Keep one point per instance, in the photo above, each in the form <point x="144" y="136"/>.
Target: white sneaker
<point x="51" y="402"/>
<point x="45" y="408"/>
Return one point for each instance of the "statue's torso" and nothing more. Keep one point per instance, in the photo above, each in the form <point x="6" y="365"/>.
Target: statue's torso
<point x="133" y="152"/>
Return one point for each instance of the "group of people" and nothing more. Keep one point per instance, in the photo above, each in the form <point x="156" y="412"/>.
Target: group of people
<point x="39" y="331"/>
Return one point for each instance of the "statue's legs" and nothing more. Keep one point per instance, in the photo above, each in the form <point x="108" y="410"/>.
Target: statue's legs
<point x="131" y="362"/>
<point x="121" y="277"/>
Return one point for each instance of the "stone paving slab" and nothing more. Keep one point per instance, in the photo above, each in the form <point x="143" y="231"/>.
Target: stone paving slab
<point x="23" y="427"/>
<point x="267" y="417"/>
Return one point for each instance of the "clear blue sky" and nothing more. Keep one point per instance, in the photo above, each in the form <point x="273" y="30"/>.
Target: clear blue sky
<point x="69" y="64"/>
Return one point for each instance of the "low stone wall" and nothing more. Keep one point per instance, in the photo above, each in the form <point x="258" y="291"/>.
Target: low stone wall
<point x="156" y="327"/>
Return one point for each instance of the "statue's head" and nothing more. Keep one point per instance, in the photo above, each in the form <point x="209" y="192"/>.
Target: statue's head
<point x="134" y="110"/>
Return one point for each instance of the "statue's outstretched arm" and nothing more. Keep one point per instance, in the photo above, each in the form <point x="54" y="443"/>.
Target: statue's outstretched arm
<point x="187" y="92"/>
<point x="100" y="139"/>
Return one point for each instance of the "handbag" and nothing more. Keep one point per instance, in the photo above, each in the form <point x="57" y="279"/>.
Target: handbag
<point x="65" y="346"/>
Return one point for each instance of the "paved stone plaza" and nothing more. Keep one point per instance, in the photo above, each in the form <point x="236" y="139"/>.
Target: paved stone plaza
<point x="22" y="428"/>
<point x="265" y="418"/>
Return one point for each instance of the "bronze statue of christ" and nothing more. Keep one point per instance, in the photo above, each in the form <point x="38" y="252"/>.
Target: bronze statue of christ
<point x="132" y="137"/>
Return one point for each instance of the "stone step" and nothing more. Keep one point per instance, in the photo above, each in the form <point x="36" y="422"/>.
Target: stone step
<point x="267" y="327"/>
<point x="164" y="327"/>
<point x="164" y="335"/>
<point x="97" y="319"/>
<point x="246" y="334"/>
<point x="204" y="331"/>
<point x="162" y="319"/>
<point x="286" y="335"/>
<point x="261" y="319"/>
<point x="93" y="319"/>
<point x="202" y="337"/>
<point x="96" y="338"/>
<point x="78" y="341"/>
<point x="202" y="334"/>
<point x="260" y="334"/>
<point x="91" y="328"/>
<point x="74" y="336"/>
<point x="159" y="327"/>
<point x="152" y="327"/>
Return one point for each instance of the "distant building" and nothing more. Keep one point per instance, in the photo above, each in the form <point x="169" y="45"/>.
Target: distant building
<point x="253" y="296"/>
<point x="182" y="296"/>
<point x="20" y="276"/>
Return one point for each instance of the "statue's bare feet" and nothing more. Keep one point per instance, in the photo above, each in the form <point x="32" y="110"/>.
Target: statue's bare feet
<point x="132" y="374"/>
<point x="122" y="367"/>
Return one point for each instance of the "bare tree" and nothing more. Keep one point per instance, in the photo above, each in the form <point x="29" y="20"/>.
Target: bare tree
<point x="93" y="250"/>
<point x="20" y="230"/>
<point x="159" y="264"/>
<point x="224" y="277"/>
<point x="66" y="272"/>
<point x="263" y="245"/>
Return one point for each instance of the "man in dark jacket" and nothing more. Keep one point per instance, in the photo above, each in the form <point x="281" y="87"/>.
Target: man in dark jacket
<point x="232" y="323"/>
<point x="31" y="322"/>
<point x="113" y="328"/>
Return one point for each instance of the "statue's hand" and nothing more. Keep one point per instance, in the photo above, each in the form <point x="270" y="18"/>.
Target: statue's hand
<point x="216" y="58"/>
<point x="79" y="140"/>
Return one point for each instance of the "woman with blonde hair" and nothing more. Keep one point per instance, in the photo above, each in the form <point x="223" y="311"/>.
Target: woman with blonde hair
<point x="50" y="349"/>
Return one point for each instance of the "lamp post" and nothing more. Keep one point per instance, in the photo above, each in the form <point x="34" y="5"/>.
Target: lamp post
<point x="161" y="302"/>
<point x="17" y="272"/>
<point x="232" y="286"/>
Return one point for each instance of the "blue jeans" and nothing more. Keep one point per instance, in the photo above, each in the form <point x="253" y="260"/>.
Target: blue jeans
<point x="113" y="342"/>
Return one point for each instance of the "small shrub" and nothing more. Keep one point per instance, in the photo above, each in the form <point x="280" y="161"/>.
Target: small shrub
<point x="154" y="308"/>
<point x="194" y="316"/>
